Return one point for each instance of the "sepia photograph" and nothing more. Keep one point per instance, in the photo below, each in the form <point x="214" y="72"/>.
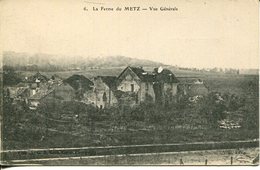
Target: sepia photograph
<point x="129" y="82"/>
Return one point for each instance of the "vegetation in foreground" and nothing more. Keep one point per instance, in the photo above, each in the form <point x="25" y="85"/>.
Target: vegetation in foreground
<point x="73" y="124"/>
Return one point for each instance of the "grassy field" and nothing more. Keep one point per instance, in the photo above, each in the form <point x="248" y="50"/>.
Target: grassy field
<point x="80" y="136"/>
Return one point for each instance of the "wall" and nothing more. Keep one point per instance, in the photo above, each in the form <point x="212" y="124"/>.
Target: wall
<point x="146" y="88"/>
<point x="95" y="96"/>
<point x="126" y="79"/>
<point x="125" y="85"/>
<point x="172" y="87"/>
<point x="62" y="92"/>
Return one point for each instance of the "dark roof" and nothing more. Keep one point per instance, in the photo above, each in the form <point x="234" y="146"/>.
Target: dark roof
<point x="39" y="76"/>
<point x="137" y="70"/>
<point x="143" y="75"/>
<point x="148" y="77"/>
<point x="110" y="81"/>
<point x="77" y="81"/>
<point x="165" y="75"/>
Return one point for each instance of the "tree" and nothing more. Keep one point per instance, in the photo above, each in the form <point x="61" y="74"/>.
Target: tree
<point x="212" y="108"/>
<point x="10" y="77"/>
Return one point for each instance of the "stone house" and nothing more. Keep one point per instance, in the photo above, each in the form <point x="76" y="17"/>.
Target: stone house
<point x="81" y="85"/>
<point x="62" y="92"/>
<point x="36" y="82"/>
<point x="135" y="81"/>
<point x="17" y="93"/>
<point x="37" y="79"/>
<point x="157" y="86"/>
<point x="165" y="86"/>
<point x="34" y="99"/>
<point x="102" y="95"/>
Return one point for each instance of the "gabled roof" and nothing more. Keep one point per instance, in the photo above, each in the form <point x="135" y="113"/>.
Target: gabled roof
<point x="38" y="76"/>
<point x="137" y="71"/>
<point x="149" y="77"/>
<point x="164" y="75"/>
<point x="79" y="81"/>
<point x="110" y="81"/>
<point x="140" y="73"/>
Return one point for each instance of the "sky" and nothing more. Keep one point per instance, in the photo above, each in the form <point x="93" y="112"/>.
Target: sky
<point x="202" y="33"/>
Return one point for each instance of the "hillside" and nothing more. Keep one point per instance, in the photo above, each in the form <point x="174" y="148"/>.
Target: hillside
<point x="48" y="61"/>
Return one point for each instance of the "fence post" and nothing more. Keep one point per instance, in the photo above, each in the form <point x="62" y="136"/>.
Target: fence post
<point x="231" y="160"/>
<point x="206" y="162"/>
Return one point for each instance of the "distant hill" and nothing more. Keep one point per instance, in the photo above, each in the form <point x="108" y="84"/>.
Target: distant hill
<point x="49" y="61"/>
<point x="119" y="61"/>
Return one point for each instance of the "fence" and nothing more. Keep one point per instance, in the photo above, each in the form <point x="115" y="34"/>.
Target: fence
<point x="125" y="149"/>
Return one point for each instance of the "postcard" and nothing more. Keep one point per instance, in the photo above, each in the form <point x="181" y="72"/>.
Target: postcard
<point x="130" y="82"/>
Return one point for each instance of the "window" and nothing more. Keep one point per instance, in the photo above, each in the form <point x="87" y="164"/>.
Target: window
<point x="132" y="87"/>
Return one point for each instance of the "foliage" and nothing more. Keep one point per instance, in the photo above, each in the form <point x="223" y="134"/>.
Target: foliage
<point x="10" y="77"/>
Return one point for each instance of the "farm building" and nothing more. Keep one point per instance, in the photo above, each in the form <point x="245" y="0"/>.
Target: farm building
<point x="37" y="78"/>
<point x="17" y="93"/>
<point x="35" y="98"/>
<point x="102" y="94"/>
<point x="135" y="81"/>
<point x="165" y="86"/>
<point x="81" y="85"/>
<point x="133" y="86"/>
<point x="62" y="92"/>
<point x="159" y="85"/>
<point x="79" y="82"/>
